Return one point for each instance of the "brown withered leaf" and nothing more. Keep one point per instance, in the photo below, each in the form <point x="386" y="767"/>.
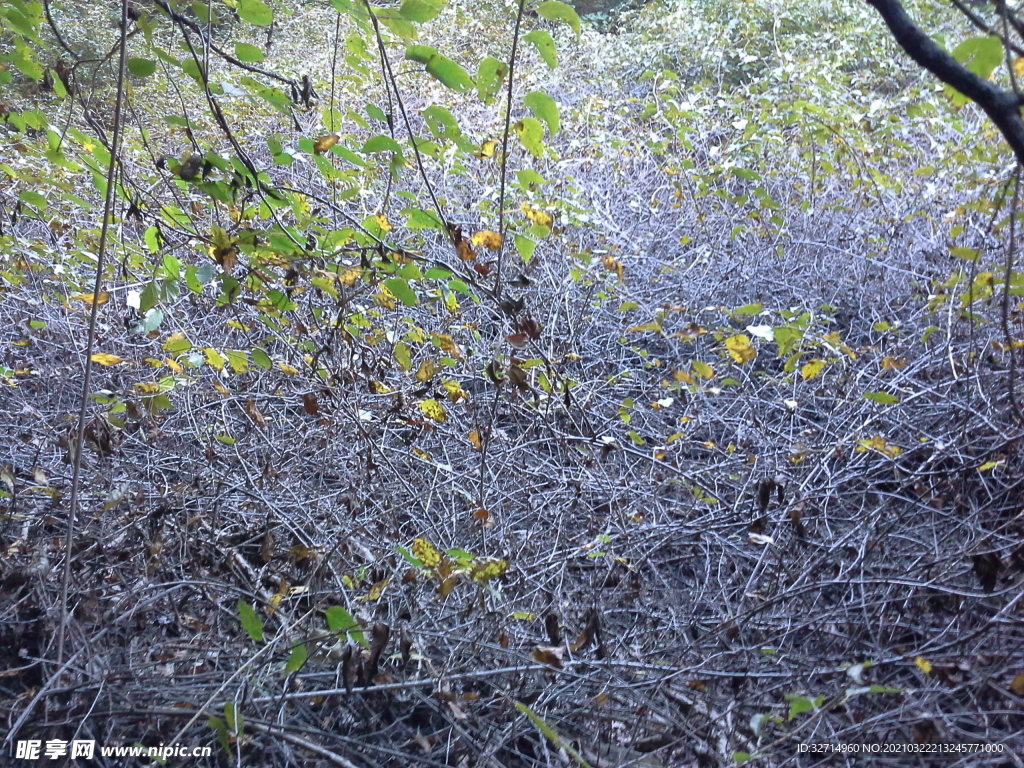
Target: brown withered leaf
<point x="379" y="641"/>
<point x="494" y="373"/>
<point x="405" y="644"/>
<point x="550" y="655"/>
<point x="530" y="327"/>
<point x="447" y="585"/>
<point x="254" y="413"/>
<point x="350" y="663"/>
<point x="551" y="627"/>
<point x="267" y="547"/>
<point x="519" y="340"/>
<point x="591" y="634"/>
<point x="518" y="377"/>
<point x="987" y="567"/>
<point x="764" y="493"/>
<point x="324" y="143"/>
<point x="310" y="404"/>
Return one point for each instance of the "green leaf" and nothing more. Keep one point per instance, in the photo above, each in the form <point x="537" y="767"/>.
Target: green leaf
<point x="553" y="10"/>
<point x="442" y="122"/>
<point x="152" y="319"/>
<point x="551" y="734"/>
<point x="421" y="219"/>
<point x="406" y="30"/>
<point x="544" y="108"/>
<point x="255" y="12"/>
<point x="545" y="45"/>
<point x="261" y="358"/>
<point x="419" y="11"/>
<point x="340" y="620"/>
<point x="296" y="659"/>
<point x="401" y="289"/>
<point x="141" y="67"/>
<point x="234" y="718"/>
<point x="490" y="76"/>
<point x="449" y="73"/>
<point x="882" y="397"/>
<point x="420" y="53"/>
<point x="36" y="199"/>
<point x="251" y="623"/>
<point x="248" y="53"/>
<point x="531" y="135"/>
<point x="981" y="55"/>
<point x="969" y="254"/>
<point x="403" y="355"/>
<point x="801" y="704"/>
<point x="526" y="247"/>
<point x="381" y="143"/>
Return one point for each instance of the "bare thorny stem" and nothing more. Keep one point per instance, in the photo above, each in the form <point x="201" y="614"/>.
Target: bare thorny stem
<point x="108" y="208"/>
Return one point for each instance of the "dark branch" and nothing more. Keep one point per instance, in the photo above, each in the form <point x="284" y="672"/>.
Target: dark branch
<point x="1002" y="107"/>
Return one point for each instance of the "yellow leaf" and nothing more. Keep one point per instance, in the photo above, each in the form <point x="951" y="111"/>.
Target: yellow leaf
<point x="684" y="377"/>
<point x="488" y="568"/>
<point x="377" y="590"/>
<point x="382" y="220"/>
<point x="893" y="364"/>
<point x="446" y="343"/>
<point x="147" y="388"/>
<point x="88" y="298"/>
<point x="421" y="453"/>
<point x="989" y="465"/>
<point x="924" y="664"/>
<point x="427" y="371"/>
<point x="324" y="143"/>
<point x="173" y="365"/>
<point x="537" y="216"/>
<point x="275" y="600"/>
<point x="386" y="298"/>
<point x="221" y="388"/>
<point x="740" y="348"/>
<point x="655" y="327"/>
<point x="613" y="265"/>
<point x="465" y="250"/>
<point x="476" y="440"/>
<point x="434" y="410"/>
<point x="812" y="369"/>
<point x="285" y="368"/>
<point x="426" y="553"/>
<point x="486" y="239"/>
<point x="1017" y="686"/>
<point x="350" y="276"/>
<point x="215" y="358"/>
<point x="1018" y="66"/>
<point x="702" y="370"/>
<point x="106" y="359"/>
<point x="455" y="391"/>
<point x="878" y="443"/>
<point x="488" y="148"/>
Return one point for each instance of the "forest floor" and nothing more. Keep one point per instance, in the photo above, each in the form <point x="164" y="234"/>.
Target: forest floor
<point x="713" y="546"/>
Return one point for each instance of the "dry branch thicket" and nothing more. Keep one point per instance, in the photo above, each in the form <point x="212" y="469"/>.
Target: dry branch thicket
<point x="770" y="550"/>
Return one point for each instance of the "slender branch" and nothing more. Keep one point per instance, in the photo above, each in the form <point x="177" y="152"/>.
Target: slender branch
<point x="108" y="207"/>
<point x="504" y="151"/>
<point x="1002" y="107"/>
